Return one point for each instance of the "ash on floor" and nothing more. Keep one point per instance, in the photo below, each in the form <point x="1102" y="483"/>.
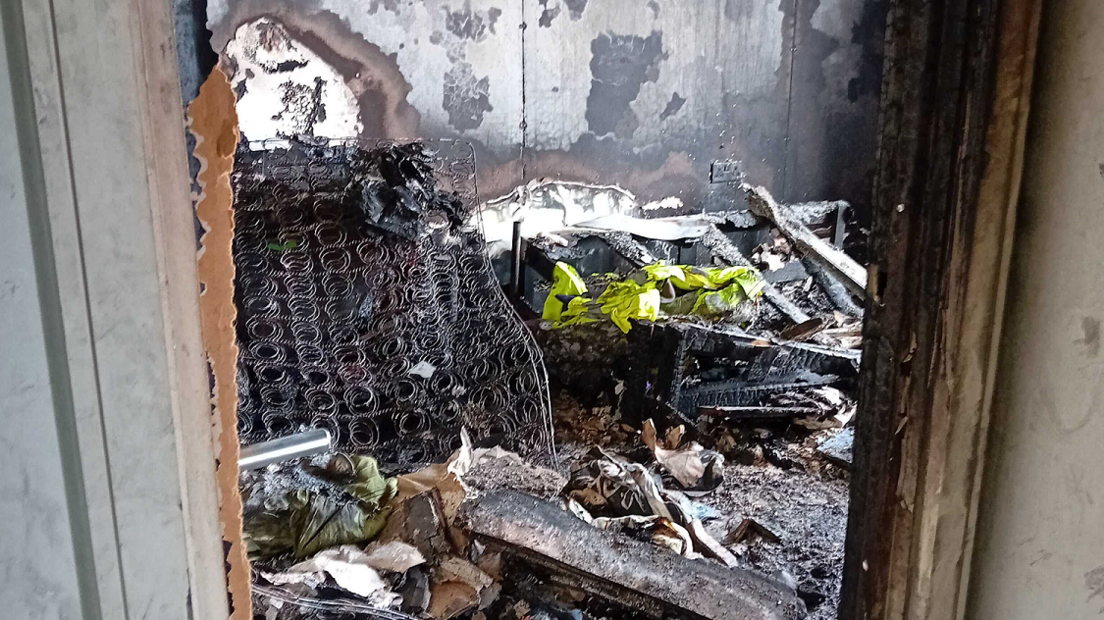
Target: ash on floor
<point x="808" y="513"/>
<point x="773" y="476"/>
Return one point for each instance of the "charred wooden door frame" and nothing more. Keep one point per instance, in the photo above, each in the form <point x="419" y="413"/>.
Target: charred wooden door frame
<point x="954" y="106"/>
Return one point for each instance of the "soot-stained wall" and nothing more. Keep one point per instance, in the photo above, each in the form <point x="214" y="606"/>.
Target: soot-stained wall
<point x="644" y="94"/>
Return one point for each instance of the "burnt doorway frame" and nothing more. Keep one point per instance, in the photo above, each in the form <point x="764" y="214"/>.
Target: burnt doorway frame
<point x="955" y="97"/>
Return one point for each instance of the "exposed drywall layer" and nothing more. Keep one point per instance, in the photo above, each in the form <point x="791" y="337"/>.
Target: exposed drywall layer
<point x="214" y="124"/>
<point x="1040" y="550"/>
<point x="645" y="94"/>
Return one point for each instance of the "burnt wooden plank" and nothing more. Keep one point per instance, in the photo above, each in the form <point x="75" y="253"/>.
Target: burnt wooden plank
<point x="655" y="581"/>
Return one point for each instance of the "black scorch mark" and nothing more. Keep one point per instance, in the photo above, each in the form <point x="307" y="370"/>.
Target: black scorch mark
<point x="388" y="5"/>
<point x="1091" y="339"/>
<point x="738" y="10"/>
<point x="466" y="98"/>
<point x="673" y="106"/>
<point x="289" y="65"/>
<point x="468" y="24"/>
<point x="1094" y="583"/>
<point x="548" y="14"/>
<point x="303" y="107"/>
<point x="575" y="8"/>
<point x="619" y="66"/>
<point x="241" y="88"/>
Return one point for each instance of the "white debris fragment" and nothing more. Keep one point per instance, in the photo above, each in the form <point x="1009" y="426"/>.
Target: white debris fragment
<point x="422" y="369"/>
<point x="350" y="569"/>
<point x="395" y="556"/>
<point x="285" y="89"/>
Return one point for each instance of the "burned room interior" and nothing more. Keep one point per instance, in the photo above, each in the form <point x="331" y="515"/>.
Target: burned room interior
<point x="547" y="310"/>
<point x="476" y="310"/>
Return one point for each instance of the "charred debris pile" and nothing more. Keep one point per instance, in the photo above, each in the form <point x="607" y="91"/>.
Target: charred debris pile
<point x="684" y="455"/>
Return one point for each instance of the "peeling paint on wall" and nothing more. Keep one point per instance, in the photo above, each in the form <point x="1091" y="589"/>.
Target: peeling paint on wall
<point x="547" y="14"/>
<point x="466" y="97"/>
<point x="284" y="89"/>
<point x="576" y="7"/>
<point x="619" y="67"/>
<point x="641" y="94"/>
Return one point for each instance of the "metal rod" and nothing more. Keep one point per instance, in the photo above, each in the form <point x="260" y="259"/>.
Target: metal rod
<point x="285" y="448"/>
<point x="517" y="267"/>
<point x="839" y="231"/>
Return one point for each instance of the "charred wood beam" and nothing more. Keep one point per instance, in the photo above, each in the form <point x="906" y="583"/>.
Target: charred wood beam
<point x="722" y="248"/>
<point x="738" y="393"/>
<point x="621" y="570"/>
<point x="835" y="290"/>
<point x="753" y="412"/>
<point x="730" y="368"/>
<point x="628" y="247"/>
<point x="517" y="263"/>
<point x="954" y="101"/>
<point x="851" y="273"/>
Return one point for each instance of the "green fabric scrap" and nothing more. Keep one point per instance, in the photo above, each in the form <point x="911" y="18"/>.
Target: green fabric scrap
<point x="578" y="311"/>
<point x="290" y="244"/>
<point x="691" y="278"/>
<point x="662" y="271"/>
<point x="708" y="291"/>
<point x="305" y="522"/>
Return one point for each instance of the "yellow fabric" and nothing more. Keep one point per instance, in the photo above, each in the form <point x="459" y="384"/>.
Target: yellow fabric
<point x="691" y="278"/>
<point x="565" y="281"/>
<point x="628" y="300"/>
<point x="719" y="290"/>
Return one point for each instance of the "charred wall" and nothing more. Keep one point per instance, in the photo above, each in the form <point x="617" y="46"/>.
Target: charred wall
<point x="643" y="94"/>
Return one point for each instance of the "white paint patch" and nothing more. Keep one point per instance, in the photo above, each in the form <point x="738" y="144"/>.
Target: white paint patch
<point x="422" y="369"/>
<point x="547" y="206"/>
<point x="287" y="90"/>
<point x="701" y="46"/>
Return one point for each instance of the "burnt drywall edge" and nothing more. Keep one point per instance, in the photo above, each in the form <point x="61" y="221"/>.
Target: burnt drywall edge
<point x="195" y="59"/>
<point x="213" y="121"/>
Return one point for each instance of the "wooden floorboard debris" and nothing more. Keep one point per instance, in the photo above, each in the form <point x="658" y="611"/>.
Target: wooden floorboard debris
<point x="850" y="273"/>
<point x="619" y="569"/>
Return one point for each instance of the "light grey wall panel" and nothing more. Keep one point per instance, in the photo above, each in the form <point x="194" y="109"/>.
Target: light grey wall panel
<point x="38" y="570"/>
<point x="1040" y="551"/>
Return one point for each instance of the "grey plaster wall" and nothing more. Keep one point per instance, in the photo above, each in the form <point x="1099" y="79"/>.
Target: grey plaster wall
<point x="37" y="547"/>
<point x="1040" y="550"/>
<point x="640" y="93"/>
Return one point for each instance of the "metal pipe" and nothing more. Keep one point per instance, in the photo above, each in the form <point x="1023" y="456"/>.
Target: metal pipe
<point x="285" y="448"/>
<point x="517" y="266"/>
